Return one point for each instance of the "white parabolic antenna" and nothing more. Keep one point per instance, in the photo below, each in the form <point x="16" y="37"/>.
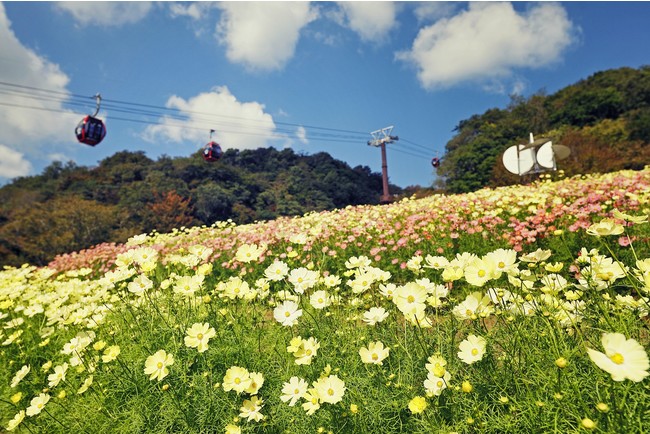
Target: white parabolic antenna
<point x="535" y="156"/>
<point x="545" y="156"/>
<point x="518" y="162"/>
<point x="561" y="152"/>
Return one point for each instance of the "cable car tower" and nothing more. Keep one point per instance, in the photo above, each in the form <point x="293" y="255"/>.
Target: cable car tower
<point x="379" y="139"/>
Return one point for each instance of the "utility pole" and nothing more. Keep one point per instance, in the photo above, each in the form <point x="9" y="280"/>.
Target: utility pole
<point x="379" y="139"/>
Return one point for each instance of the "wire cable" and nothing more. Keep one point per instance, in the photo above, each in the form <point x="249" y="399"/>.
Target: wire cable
<point x="163" y="115"/>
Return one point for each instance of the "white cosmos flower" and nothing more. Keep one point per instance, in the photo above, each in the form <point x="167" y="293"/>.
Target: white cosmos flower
<point x="623" y="358"/>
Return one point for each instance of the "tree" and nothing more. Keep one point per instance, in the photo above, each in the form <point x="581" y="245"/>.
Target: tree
<point x="212" y="203"/>
<point x="169" y="210"/>
<point x="39" y="232"/>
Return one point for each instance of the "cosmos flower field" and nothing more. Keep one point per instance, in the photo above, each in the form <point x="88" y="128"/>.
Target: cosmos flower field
<point x="520" y="309"/>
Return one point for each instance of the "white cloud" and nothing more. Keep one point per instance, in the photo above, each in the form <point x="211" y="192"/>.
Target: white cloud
<point x="241" y="125"/>
<point x="301" y="134"/>
<point x="58" y="156"/>
<point x="194" y="10"/>
<point x="262" y="35"/>
<point x="488" y="41"/>
<point x="13" y="163"/>
<point x="45" y="121"/>
<point x="106" y="13"/>
<point x="432" y="11"/>
<point x="372" y="21"/>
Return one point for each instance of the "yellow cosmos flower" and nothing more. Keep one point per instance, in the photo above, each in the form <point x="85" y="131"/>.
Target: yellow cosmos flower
<point x="630" y="218"/>
<point x="257" y="380"/>
<point x="37" y="404"/>
<point x="232" y="429"/>
<point x="250" y="252"/>
<point x="156" y="366"/>
<point x="434" y="385"/>
<point x="237" y="379"/>
<point x="312" y="401"/>
<point x="111" y="353"/>
<point x="20" y="375"/>
<point x="199" y="335"/>
<point x="605" y="227"/>
<point x="374" y="353"/>
<point x="16" y="397"/>
<point x="58" y="375"/>
<point x="18" y="418"/>
<point x="250" y="409"/>
<point x="86" y="384"/>
<point x="418" y="404"/>
<point x="623" y="358"/>
<point x="330" y="389"/>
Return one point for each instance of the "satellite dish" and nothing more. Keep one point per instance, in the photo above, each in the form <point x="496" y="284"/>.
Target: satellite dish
<point x="534" y="157"/>
<point x="519" y="159"/>
<point x="561" y="152"/>
<point x="545" y="156"/>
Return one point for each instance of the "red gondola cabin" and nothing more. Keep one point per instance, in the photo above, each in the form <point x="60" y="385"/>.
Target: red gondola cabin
<point x="90" y="131"/>
<point x="212" y="152"/>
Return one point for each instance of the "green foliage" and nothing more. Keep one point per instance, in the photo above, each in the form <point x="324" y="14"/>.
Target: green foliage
<point x="134" y="194"/>
<point x="63" y="224"/>
<point x="609" y="110"/>
<point x="540" y="317"/>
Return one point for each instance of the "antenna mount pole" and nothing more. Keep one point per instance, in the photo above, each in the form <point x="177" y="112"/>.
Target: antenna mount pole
<point x="379" y="139"/>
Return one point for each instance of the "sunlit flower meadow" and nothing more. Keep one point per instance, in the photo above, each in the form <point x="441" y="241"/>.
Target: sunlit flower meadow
<point x="522" y="309"/>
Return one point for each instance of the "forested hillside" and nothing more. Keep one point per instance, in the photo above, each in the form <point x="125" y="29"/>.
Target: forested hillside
<point x="69" y="207"/>
<point x="604" y="120"/>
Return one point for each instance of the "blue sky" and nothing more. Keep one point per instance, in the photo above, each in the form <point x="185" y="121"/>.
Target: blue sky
<point x="312" y="76"/>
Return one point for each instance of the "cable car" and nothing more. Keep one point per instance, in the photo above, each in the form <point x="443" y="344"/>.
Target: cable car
<point x="435" y="162"/>
<point x="212" y="151"/>
<point x="91" y="130"/>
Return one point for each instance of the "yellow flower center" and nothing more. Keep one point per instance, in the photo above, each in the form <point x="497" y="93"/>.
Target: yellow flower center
<point x="481" y="273"/>
<point x="40" y="406"/>
<point x="237" y="380"/>
<point x="308" y="352"/>
<point x="199" y="336"/>
<point x="617" y="358"/>
<point x="314" y="401"/>
<point x="159" y="365"/>
<point x="410" y="299"/>
<point x="439" y="383"/>
<point x="330" y="391"/>
<point x="278" y="271"/>
<point x="300" y="280"/>
<point x="297" y="391"/>
<point x="468" y="312"/>
<point x="287" y="314"/>
<point x="374" y="356"/>
<point x="474" y="351"/>
<point x="501" y="264"/>
<point x="320" y="300"/>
